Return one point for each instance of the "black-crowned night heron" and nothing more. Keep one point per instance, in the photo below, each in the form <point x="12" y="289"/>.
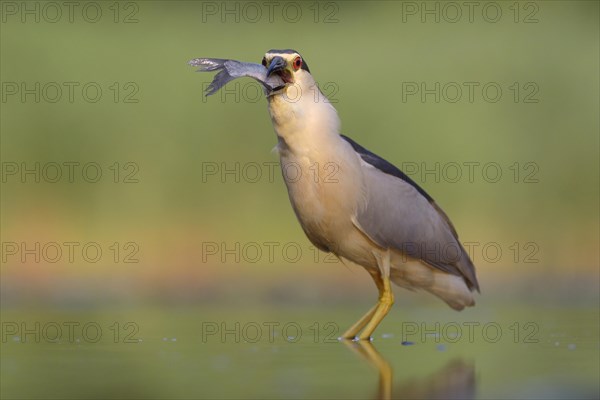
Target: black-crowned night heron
<point x="348" y="200"/>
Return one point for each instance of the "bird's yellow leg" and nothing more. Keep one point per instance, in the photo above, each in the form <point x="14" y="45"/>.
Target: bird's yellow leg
<point x="386" y="300"/>
<point x="386" y="296"/>
<point x="353" y="331"/>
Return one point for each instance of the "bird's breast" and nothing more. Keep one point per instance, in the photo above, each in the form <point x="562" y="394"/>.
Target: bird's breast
<point x="325" y="189"/>
<point x="321" y="170"/>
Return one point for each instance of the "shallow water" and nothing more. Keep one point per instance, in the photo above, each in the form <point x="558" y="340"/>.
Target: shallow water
<point x="294" y="353"/>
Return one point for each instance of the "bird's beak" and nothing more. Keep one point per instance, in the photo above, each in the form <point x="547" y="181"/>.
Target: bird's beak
<point x="277" y="64"/>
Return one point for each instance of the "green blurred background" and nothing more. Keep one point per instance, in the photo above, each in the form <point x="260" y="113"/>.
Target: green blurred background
<point x="152" y="115"/>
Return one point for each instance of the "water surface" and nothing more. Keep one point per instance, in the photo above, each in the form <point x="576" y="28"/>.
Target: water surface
<point x="294" y="353"/>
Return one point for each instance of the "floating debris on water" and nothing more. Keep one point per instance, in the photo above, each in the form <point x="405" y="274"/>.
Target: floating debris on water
<point x="407" y="343"/>
<point x="571" y="346"/>
<point x="441" y="347"/>
<point x="387" y="335"/>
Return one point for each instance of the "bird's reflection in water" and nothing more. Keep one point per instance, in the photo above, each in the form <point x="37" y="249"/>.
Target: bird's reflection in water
<point x="455" y="380"/>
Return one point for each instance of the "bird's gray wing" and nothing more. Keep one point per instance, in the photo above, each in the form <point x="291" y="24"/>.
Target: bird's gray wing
<point x="400" y="215"/>
<point x="232" y="69"/>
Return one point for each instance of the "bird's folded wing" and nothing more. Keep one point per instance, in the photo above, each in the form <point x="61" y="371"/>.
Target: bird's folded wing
<point x="397" y="216"/>
<point x="232" y="69"/>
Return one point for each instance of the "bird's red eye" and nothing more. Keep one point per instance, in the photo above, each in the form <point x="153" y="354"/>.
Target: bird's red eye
<point x="297" y="63"/>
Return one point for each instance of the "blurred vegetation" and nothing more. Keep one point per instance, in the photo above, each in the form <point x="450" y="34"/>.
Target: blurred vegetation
<point x="172" y="131"/>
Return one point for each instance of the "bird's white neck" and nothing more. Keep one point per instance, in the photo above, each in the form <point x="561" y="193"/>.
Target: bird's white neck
<point x="303" y="118"/>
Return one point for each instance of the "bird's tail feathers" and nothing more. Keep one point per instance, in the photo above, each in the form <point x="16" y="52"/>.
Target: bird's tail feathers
<point x="452" y="289"/>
